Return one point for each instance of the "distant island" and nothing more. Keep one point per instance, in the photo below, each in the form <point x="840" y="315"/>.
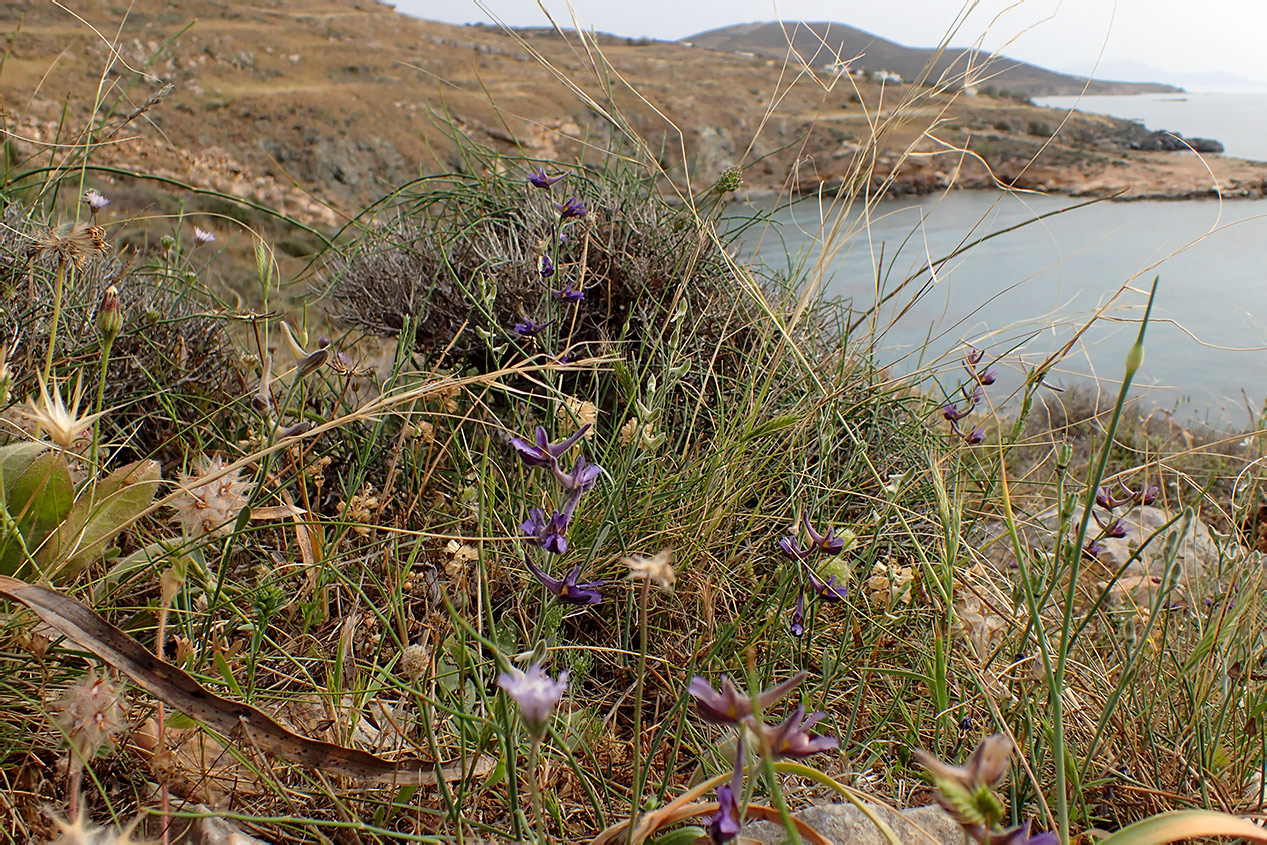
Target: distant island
<point x="820" y="44"/>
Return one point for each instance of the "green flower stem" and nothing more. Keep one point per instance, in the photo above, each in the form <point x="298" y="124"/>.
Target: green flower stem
<point x="58" y="288"/>
<point x="638" y="777"/>
<point x="101" y="397"/>
<point x="534" y="789"/>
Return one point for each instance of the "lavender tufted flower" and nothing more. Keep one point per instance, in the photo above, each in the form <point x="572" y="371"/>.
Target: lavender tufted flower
<point x="527" y="328"/>
<point x="792" y="549"/>
<point x="793" y="739"/>
<point x="574" y="207"/>
<point x="581" y="479"/>
<point x="797" y="627"/>
<point x="202" y="236"/>
<point x="825" y="590"/>
<point x="545" y="266"/>
<point x="538" y="178"/>
<point x="828" y="543"/>
<point x="567" y="589"/>
<point x="95" y="201"/>
<point x="535" y="693"/>
<point x="731" y="706"/>
<point x="724" y="825"/>
<point x="543" y="453"/>
<point x="570" y="293"/>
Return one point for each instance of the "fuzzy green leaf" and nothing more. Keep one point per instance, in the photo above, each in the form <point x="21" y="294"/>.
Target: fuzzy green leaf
<point x="38" y="498"/>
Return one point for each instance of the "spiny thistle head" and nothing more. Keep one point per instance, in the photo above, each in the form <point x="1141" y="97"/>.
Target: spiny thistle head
<point x="210" y="500"/>
<point x="91" y="712"/>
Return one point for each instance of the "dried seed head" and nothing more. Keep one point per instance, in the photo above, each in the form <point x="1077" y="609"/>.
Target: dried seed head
<point x="91" y="712"/>
<point x="210" y="500"/>
<point x="657" y="569"/>
<point x="414" y="662"/>
<point x="74" y="244"/>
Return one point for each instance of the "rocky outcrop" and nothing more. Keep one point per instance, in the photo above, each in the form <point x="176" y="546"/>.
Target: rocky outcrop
<point x="845" y="824"/>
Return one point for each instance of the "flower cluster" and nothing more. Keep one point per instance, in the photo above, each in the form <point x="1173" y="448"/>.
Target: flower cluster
<point x="955" y="412"/>
<point x="824" y="590"/>
<point x="967" y="793"/>
<point x="792" y="738"/>
<point x="1111" y="499"/>
<point x="548" y="528"/>
<point x="572" y="209"/>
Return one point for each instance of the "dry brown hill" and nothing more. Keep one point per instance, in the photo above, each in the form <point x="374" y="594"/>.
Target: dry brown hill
<point x="320" y="106"/>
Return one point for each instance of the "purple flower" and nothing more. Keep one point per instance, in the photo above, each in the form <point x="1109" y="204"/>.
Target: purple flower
<point x="1020" y="835"/>
<point x="570" y="293"/>
<point x="828" y="543"/>
<point x="973" y="355"/>
<point x="791" y="549"/>
<point x="1148" y="495"/>
<point x="1113" y="529"/>
<point x="543" y="453"/>
<point x="953" y="413"/>
<point x="797" y="626"/>
<point x="549" y="532"/>
<point x="528" y="328"/>
<point x="581" y="479"/>
<point x="567" y="589"/>
<point x="545" y="266"/>
<point x="95" y="200"/>
<point x="538" y="178"/>
<point x="793" y="739"/>
<point x="731" y="706"/>
<point x="535" y="694"/>
<point x="986" y="378"/>
<point x="825" y="590"/>
<point x="1093" y="550"/>
<point x="977" y="435"/>
<point x="202" y="236"/>
<point x="574" y="207"/>
<point x="724" y="825"/>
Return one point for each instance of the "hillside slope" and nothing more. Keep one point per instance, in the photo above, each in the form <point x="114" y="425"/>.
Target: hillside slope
<point x="321" y="106"/>
<point x="821" y="42"/>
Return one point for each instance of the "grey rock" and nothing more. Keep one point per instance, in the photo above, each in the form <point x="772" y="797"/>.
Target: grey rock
<point x="845" y="823"/>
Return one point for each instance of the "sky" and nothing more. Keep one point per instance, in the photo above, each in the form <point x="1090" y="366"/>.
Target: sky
<point x="1178" y="36"/>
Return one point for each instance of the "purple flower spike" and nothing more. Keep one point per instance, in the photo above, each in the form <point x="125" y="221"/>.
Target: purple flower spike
<point x="1020" y="835"/>
<point x="569" y="293"/>
<point x="527" y="328"/>
<point x="797" y="627"/>
<point x="543" y="453"/>
<point x="793" y="739"/>
<point x="724" y="825"/>
<point x="828" y="543"/>
<point x="535" y="693"/>
<point x="825" y="590"/>
<point x="538" y="178"/>
<point x="731" y="706"/>
<point x="791" y="549"/>
<point x="567" y="589"/>
<point x="581" y="479"/>
<point x="574" y="207"/>
<point x="545" y="266"/>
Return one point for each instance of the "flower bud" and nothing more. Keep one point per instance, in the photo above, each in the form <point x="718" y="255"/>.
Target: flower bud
<point x="730" y="180"/>
<point x="313" y="362"/>
<point x="109" y="316"/>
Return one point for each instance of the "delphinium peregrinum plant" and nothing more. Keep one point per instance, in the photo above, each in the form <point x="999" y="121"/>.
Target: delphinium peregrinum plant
<point x="956" y="412"/>
<point x="820" y="545"/>
<point x="967" y="794"/>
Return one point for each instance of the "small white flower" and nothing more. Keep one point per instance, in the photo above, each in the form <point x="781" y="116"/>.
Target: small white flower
<point x="62" y="424"/>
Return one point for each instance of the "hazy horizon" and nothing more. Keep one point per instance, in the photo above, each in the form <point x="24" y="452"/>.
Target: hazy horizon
<point x="1167" y="35"/>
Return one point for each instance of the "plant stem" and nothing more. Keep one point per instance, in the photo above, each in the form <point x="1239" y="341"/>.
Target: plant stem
<point x="534" y="789"/>
<point x="57" y="316"/>
<point x="101" y="395"/>
<point x="643" y="599"/>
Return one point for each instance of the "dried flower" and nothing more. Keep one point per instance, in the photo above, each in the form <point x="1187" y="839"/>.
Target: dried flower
<point x="535" y="693"/>
<point x="91" y="712"/>
<point x="415" y="660"/>
<point x="576" y="412"/>
<point x="62" y="424"/>
<point x="793" y="739"/>
<point x="731" y="706"/>
<point x="210" y="500"/>
<point x="567" y="589"/>
<point x="95" y="200"/>
<point x="538" y="178"/>
<point x="657" y="569"/>
<point x="73" y="244"/>
<point x="574" y="207"/>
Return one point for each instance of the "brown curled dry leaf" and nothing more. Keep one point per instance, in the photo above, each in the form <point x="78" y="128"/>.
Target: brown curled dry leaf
<point x="232" y="719"/>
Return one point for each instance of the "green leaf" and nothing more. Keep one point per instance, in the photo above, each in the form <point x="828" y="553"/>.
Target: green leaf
<point x="14" y="459"/>
<point x="97" y="518"/>
<point x="38" y="497"/>
<point x="681" y="836"/>
<point x="1186" y="824"/>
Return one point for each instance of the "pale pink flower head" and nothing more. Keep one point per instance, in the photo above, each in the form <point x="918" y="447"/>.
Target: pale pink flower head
<point x="210" y="500"/>
<point x="202" y="236"/>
